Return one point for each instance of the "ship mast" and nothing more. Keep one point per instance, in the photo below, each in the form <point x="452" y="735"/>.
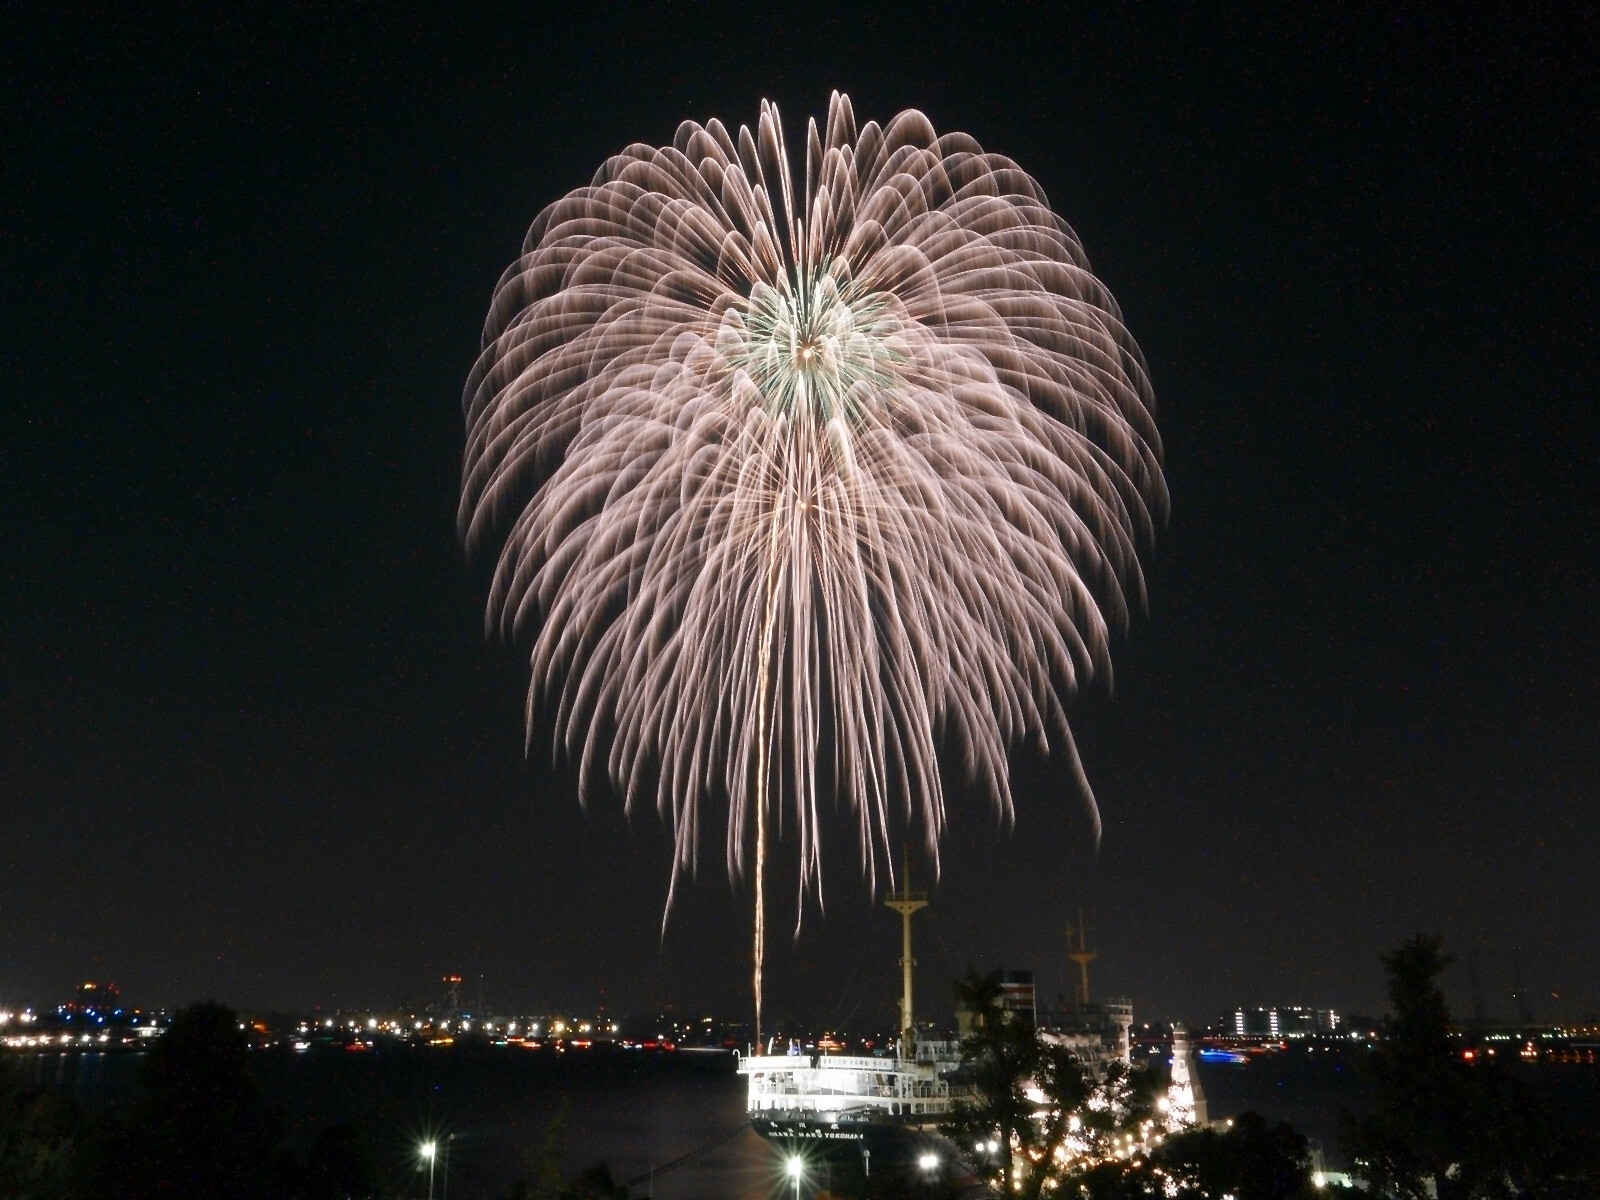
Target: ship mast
<point x="1083" y="956"/>
<point x="906" y="902"/>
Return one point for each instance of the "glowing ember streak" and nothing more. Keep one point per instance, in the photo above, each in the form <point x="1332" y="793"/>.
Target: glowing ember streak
<point x="787" y="496"/>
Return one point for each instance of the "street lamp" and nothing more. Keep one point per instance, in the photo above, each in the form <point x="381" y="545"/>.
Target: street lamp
<point x="429" y="1151"/>
<point x="796" y="1167"/>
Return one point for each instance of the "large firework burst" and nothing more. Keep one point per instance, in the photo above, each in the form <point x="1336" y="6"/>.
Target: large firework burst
<point x="792" y="488"/>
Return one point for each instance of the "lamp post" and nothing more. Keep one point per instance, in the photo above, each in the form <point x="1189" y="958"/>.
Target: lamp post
<point x="797" y="1168"/>
<point x="430" y="1151"/>
<point x="447" y="1141"/>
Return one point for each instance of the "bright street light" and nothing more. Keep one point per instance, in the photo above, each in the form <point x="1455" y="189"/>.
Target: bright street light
<point x="429" y="1151"/>
<point x="796" y="1166"/>
<point x="929" y="1162"/>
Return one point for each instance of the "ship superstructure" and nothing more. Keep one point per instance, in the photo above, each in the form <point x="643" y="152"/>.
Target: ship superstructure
<point x="837" y="1097"/>
<point x="1096" y="1031"/>
<point x="833" y="1097"/>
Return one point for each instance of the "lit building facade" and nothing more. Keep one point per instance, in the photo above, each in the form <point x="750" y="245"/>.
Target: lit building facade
<point x="1284" y="1022"/>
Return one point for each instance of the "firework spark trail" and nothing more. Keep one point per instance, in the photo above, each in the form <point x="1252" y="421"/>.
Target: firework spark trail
<point x="868" y="473"/>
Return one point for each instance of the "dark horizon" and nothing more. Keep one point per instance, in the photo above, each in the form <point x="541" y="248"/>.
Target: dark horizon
<point x="256" y="746"/>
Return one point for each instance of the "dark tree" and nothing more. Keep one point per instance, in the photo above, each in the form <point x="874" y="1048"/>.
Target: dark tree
<point x="1252" y="1160"/>
<point x="200" y="1130"/>
<point x="595" y="1183"/>
<point x="545" y="1160"/>
<point x="999" y="1060"/>
<point x="1442" y="1126"/>
<point x="1004" y="1060"/>
<point x="44" y="1135"/>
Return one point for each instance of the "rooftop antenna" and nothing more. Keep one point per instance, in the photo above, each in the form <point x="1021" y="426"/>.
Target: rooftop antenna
<point x="906" y="902"/>
<point x="1083" y="956"/>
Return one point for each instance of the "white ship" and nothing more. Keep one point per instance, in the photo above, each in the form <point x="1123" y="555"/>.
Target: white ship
<point x="834" y="1097"/>
<point x="837" y="1097"/>
<point x="829" y="1097"/>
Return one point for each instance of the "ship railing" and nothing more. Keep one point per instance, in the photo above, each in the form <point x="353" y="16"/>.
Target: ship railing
<point x="904" y="1106"/>
<point x="928" y="1053"/>
<point x="790" y="1087"/>
<point x="750" y="1063"/>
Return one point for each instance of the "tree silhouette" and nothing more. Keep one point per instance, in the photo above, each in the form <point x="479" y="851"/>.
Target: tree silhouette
<point x="1445" y="1127"/>
<point x="200" y="1130"/>
<point x="43" y="1137"/>
<point x="1032" y="1098"/>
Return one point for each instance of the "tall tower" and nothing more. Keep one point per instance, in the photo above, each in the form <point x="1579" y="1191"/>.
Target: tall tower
<point x="1083" y="956"/>
<point x="906" y="902"/>
<point x="1186" y="1102"/>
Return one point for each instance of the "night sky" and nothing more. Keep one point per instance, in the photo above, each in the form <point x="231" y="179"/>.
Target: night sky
<point x="255" y="745"/>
